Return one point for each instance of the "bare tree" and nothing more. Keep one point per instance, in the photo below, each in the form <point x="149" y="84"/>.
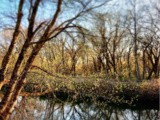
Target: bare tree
<point x="51" y="29"/>
<point x="6" y="58"/>
<point x="134" y="31"/>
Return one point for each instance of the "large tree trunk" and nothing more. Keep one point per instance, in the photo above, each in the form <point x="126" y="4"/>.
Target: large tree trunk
<point x="6" y="58"/>
<point x="136" y="58"/>
<point x="135" y="53"/>
<point x="16" y="83"/>
<point x="135" y="38"/>
<point x="8" y="102"/>
<point x="14" y="77"/>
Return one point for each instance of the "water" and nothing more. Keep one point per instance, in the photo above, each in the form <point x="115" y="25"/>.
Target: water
<point x="34" y="109"/>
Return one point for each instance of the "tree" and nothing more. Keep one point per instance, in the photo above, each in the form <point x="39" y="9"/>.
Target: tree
<point x="134" y="31"/>
<point x="12" y="45"/>
<point x="107" y="42"/>
<point x="150" y="41"/>
<point x="37" y="36"/>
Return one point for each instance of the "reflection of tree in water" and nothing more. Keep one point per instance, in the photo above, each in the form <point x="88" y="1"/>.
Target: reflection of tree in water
<point x="33" y="109"/>
<point x="28" y="109"/>
<point x="85" y="111"/>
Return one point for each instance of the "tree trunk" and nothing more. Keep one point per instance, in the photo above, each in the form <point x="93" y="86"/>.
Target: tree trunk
<point x="100" y="64"/>
<point x="13" y="41"/>
<point x="73" y="67"/>
<point x="137" y="67"/>
<point x="128" y="63"/>
<point x="94" y="65"/>
<point x="137" y="71"/>
<point x="135" y="53"/>
<point x="14" y="77"/>
<point x="144" y="64"/>
<point x="8" y="102"/>
<point x="155" y="67"/>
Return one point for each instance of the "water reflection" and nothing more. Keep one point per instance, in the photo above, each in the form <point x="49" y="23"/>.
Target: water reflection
<point x="33" y="109"/>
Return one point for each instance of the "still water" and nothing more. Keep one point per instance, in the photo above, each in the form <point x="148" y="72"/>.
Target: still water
<point x="34" y="109"/>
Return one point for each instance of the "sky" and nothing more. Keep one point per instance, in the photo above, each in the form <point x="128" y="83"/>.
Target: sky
<point x="113" y="6"/>
<point x="9" y="6"/>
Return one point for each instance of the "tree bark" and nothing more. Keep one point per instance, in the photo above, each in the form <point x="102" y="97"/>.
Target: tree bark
<point x="128" y="63"/>
<point x="13" y="79"/>
<point x="144" y="64"/>
<point x="135" y="45"/>
<point x="8" y="102"/>
<point x="6" y="58"/>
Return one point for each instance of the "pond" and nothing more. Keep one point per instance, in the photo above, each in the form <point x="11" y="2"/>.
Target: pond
<point x="35" y="109"/>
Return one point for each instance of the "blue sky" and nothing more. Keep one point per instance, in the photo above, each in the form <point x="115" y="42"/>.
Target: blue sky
<point x="9" y="7"/>
<point x="6" y="5"/>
